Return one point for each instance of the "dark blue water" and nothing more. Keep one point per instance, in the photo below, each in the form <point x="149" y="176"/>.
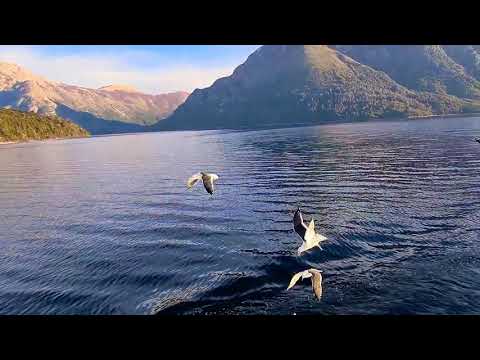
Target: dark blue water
<point x="106" y="226"/>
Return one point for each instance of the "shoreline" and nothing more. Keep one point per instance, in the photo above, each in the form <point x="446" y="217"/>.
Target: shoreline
<point x="8" y="142"/>
<point x="444" y="115"/>
<point x="476" y="114"/>
<point x="41" y="140"/>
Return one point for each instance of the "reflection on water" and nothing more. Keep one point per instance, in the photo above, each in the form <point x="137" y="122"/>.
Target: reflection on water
<point x="106" y="226"/>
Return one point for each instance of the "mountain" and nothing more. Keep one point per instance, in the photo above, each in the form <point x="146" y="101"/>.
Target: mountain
<point x="20" y="126"/>
<point x="96" y="125"/>
<point x="417" y="67"/>
<point x="466" y="55"/>
<point x="282" y="85"/>
<point x="112" y="106"/>
<point x="119" y="87"/>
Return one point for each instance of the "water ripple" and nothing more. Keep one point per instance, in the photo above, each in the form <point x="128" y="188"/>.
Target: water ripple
<point x="88" y="228"/>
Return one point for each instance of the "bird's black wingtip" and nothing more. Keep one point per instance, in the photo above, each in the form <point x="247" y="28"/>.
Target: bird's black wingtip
<point x="297" y="213"/>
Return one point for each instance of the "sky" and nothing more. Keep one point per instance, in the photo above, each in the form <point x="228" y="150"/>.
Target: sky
<point x="152" y="69"/>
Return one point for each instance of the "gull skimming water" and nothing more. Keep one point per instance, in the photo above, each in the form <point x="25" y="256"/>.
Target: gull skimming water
<point x="207" y="179"/>
<point x="316" y="278"/>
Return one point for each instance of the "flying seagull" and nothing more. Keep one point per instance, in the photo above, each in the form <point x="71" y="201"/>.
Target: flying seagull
<point x="316" y="280"/>
<point x="309" y="236"/>
<point x="207" y="179"/>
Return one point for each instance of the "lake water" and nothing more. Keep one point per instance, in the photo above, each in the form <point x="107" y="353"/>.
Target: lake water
<point x="106" y="226"/>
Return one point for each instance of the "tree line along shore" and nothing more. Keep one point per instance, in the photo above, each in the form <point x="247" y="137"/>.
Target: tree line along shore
<point x="18" y="126"/>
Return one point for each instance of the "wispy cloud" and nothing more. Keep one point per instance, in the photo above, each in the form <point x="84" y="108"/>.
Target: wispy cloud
<point x="103" y="68"/>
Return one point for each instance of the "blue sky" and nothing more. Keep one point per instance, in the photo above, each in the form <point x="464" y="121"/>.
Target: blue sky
<point x="152" y="69"/>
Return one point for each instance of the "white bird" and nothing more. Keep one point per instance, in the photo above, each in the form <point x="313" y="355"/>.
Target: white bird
<point x="309" y="236"/>
<point x="207" y="179"/>
<point x="316" y="277"/>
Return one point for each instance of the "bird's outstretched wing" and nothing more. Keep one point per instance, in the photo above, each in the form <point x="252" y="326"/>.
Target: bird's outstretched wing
<point x="294" y="280"/>
<point x="192" y="180"/>
<point x="208" y="182"/>
<point x="316" y="282"/>
<point x="310" y="232"/>
<point x="298" y="224"/>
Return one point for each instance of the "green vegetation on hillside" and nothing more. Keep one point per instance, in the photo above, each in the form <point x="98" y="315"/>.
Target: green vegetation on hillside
<point x="310" y="84"/>
<point x="21" y="126"/>
<point x="419" y="67"/>
<point x="466" y="55"/>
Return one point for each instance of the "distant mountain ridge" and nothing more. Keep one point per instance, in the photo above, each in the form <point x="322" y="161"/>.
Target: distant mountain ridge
<point x="418" y="67"/>
<point x="119" y="87"/>
<point x="283" y="85"/>
<point x="278" y="85"/>
<point x="115" y="104"/>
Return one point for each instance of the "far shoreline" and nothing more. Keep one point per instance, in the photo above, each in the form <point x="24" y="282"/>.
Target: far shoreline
<point x="471" y="114"/>
<point x="8" y="142"/>
<point x="271" y="127"/>
<point x="42" y="140"/>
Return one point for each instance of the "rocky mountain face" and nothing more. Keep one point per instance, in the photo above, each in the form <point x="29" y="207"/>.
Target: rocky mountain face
<point x="112" y="106"/>
<point x="281" y="85"/>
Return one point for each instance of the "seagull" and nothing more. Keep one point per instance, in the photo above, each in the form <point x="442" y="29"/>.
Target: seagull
<point x="309" y="236"/>
<point x="316" y="276"/>
<point x="477" y="140"/>
<point x="207" y="179"/>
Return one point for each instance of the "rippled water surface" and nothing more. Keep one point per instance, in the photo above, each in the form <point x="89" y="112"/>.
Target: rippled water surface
<point x="106" y="226"/>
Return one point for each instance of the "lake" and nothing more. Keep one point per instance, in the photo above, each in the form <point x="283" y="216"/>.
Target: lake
<point x="105" y="225"/>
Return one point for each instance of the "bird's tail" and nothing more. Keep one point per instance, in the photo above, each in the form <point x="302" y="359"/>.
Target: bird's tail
<point x="320" y="237"/>
<point x="301" y="249"/>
